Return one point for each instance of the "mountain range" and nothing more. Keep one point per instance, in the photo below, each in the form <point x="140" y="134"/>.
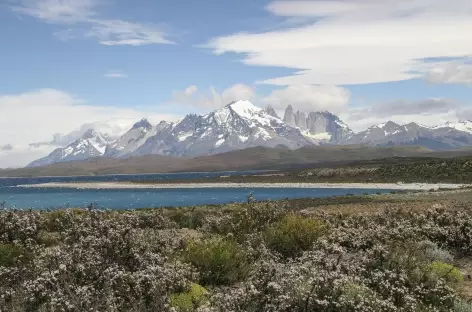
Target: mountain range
<point x="240" y="125"/>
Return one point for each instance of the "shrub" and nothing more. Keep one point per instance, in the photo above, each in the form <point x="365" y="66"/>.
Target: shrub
<point x="11" y="254"/>
<point x="48" y="239"/>
<point x="354" y="295"/>
<point x="462" y="306"/>
<point x="254" y="217"/>
<point x="432" y="252"/>
<point x="448" y="272"/>
<point x="189" y="300"/>
<point x="59" y="220"/>
<point x="293" y="235"/>
<point x="220" y="261"/>
<point x="187" y="219"/>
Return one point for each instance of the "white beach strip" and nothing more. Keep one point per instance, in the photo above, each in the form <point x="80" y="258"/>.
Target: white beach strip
<point x="127" y="185"/>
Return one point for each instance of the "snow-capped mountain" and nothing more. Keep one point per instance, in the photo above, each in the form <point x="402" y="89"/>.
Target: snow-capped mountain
<point x="436" y="138"/>
<point x="318" y="125"/>
<point x="463" y="125"/>
<point x="91" y="144"/>
<point x="241" y="124"/>
<point x="112" y="128"/>
<point x="238" y="125"/>
<point x="377" y="133"/>
<point x="131" y="140"/>
<point x="271" y="111"/>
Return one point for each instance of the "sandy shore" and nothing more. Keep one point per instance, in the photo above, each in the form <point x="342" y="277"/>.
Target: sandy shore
<point x="127" y="185"/>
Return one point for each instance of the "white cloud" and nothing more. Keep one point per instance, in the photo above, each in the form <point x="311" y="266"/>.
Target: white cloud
<point x="36" y="116"/>
<point x="82" y="18"/>
<point x="115" y="74"/>
<point x="356" y="42"/>
<point x="212" y="99"/>
<point x="58" y="11"/>
<point x="465" y="114"/>
<point x="21" y="156"/>
<point x="309" y="98"/>
<point x="118" y="32"/>
<point x="190" y="90"/>
<point x="450" y="72"/>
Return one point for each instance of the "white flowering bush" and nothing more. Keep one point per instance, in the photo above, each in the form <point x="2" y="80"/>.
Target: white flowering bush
<point x="256" y="257"/>
<point x="104" y="262"/>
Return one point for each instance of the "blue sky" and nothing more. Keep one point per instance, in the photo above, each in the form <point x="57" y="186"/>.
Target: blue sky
<point x="82" y="61"/>
<point x="35" y="58"/>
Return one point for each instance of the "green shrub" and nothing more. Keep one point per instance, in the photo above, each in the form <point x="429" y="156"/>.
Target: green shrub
<point x="58" y="220"/>
<point x="448" y="272"/>
<point x="293" y="234"/>
<point x="255" y="218"/>
<point x="48" y="238"/>
<point x="247" y="220"/>
<point x="220" y="261"/>
<point x="187" y="219"/>
<point x="11" y="254"/>
<point x="189" y="300"/>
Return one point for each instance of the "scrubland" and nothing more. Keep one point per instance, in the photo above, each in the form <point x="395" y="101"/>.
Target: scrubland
<point x="399" y="252"/>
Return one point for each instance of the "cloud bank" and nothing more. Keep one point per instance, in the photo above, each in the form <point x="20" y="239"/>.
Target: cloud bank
<point x="429" y="112"/>
<point x="82" y="19"/>
<point x="358" y="42"/>
<point x="212" y="99"/>
<point x="36" y="116"/>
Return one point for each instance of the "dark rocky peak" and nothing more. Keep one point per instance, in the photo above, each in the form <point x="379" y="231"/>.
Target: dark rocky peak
<point x="143" y="123"/>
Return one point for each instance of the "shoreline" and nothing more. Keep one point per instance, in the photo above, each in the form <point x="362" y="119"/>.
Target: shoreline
<point x="131" y="174"/>
<point x="128" y="185"/>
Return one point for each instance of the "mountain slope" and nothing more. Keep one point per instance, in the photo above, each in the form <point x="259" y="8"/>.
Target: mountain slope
<point x="271" y="111"/>
<point x="131" y="140"/>
<point x="250" y="158"/>
<point x="436" y="138"/>
<point x="323" y="126"/>
<point x="91" y="144"/>
<point x="463" y="125"/>
<point x="238" y="125"/>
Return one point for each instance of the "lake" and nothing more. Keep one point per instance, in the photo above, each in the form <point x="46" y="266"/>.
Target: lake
<point x="44" y="198"/>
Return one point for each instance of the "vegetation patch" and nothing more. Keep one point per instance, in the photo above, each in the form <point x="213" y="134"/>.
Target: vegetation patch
<point x="11" y="255"/>
<point x="293" y="235"/>
<point x="386" y="254"/>
<point x="219" y="260"/>
<point x="448" y="272"/>
<point x="189" y="300"/>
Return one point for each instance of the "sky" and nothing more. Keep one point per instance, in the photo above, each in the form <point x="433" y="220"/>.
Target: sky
<point x="69" y="64"/>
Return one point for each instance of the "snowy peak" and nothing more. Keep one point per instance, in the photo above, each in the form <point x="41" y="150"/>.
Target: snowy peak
<point x="388" y="125"/>
<point x="271" y="111"/>
<point x="388" y="128"/>
<point x="444" y="137"/>
<point x="91" y="144"/>
<point x="463" y="125"/>
<point x="321" y="126"/>
<point x="133" y="139"/>
<point x="90" y="133"/>
<point x="244" y="109"/>
<point x="238" y="125"/>
<point x="142" y="124"/>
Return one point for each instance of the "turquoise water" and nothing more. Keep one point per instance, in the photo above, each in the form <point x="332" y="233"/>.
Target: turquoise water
<point x="44" y="198"/>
